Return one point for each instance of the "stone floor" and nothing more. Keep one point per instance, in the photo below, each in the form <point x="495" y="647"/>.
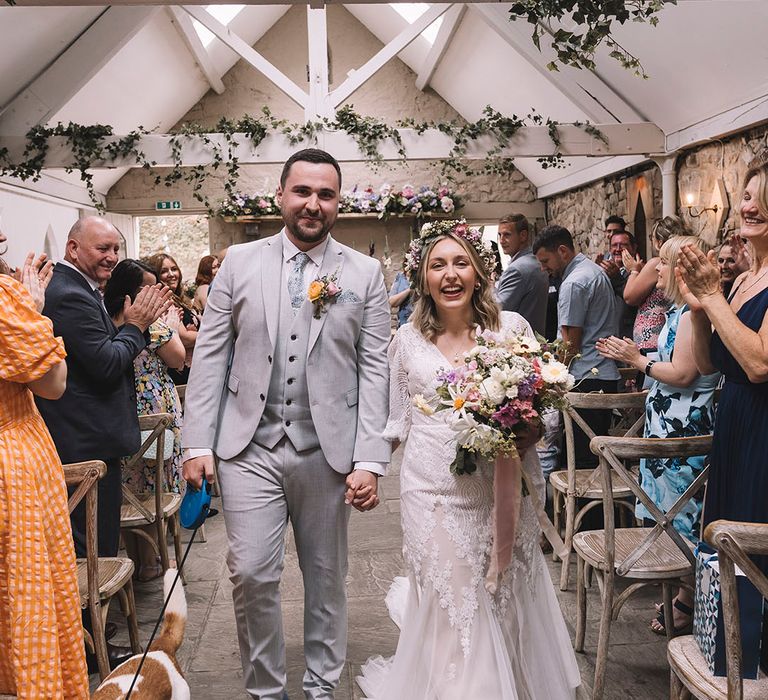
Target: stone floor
<point x="210" y="660"/>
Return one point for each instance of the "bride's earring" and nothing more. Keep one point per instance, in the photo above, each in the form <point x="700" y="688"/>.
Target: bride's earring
<point x="477" y="285"/>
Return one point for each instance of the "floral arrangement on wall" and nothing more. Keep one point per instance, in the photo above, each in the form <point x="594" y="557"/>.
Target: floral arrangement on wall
<point x="386" y="201"/>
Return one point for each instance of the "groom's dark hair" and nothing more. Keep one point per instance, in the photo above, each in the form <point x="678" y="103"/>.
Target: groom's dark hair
<point x="310" y="155"/>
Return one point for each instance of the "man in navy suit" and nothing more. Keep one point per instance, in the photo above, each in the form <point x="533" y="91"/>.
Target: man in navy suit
<point x="96" y="417"/>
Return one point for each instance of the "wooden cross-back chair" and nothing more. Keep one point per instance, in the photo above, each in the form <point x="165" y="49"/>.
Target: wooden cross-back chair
<point x="159" y="507"/>
<point x="689" y="674"/>
<point x="573" y="483"/>
<point x="100" y="578"/>
<point x="647" y="555"/>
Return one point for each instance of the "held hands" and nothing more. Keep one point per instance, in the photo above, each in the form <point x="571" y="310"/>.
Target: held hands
<point x="361" y="490"/>
<point x="699" y="274"/>
<point x="621" y="349"/>
<point x="150" y="303"/>
<point x="196" y="469"/>
<point x="35" y="276"/>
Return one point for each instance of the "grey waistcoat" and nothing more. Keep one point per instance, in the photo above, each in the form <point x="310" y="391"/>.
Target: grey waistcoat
<point x="287" y="409"/>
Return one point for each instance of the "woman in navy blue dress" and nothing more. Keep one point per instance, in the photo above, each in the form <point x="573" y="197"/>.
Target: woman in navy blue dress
<point x="731" y="335"/>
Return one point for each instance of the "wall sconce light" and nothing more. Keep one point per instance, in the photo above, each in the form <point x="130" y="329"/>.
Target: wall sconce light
<point x="693" y="211"/>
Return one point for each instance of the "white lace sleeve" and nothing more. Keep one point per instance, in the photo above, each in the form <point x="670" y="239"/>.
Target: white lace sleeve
<point x="399" y="422"/>
<point x="516" y="323"/>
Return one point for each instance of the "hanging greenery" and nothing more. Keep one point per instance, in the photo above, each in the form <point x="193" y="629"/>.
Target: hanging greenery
<point x="594" y="22"/>
<point x="95" y="146"/>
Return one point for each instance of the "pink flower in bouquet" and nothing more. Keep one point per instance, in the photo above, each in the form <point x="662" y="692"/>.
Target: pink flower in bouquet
<point x="460" y="230"/>
<point x="408" y="191"/>
<point x="443" y="191"/>
<point x="331" y="289"/>
<point x="507" y="416"/>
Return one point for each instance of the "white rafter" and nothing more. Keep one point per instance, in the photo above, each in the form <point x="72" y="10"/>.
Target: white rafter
<point x="532" y="141"/>
<point x="249" y="54"/>
<point x="317" y="33"/>
<point x="444" y="35"/>
<point x="583" y="87"/>
<point x="391" y="50"/>
<point x="183" y="22"/>
<point x="60" y="82"/>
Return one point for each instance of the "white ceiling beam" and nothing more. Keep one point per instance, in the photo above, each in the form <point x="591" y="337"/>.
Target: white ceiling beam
<point x="391" y="50"/>
<point x="186" y="28"/>
<point x="52" y="188"/>
<point x="582" y="87"/>
<point x="532" y="141"/>
<point x="317" y="33"/>
<point x="93" y="3"/>
<point x="249" y="54"/>
<point x="597" y="171"/>
<point x="60" y="82"/>
<point x="744" y="116"/>
<point x="444" y="35"/>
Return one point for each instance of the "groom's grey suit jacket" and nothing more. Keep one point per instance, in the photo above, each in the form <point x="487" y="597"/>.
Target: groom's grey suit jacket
<point x="346" y="359"/>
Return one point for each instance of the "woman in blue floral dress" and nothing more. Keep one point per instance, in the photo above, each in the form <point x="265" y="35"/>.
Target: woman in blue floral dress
<point x="155" y="390"/>
<point x="680" y="403"/>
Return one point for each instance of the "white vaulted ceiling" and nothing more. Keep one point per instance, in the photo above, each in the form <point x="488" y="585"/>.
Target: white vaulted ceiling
<point x="707" y="62"/>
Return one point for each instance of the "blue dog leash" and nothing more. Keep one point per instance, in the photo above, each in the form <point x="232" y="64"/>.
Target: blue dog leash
<point x="195" y="508"/>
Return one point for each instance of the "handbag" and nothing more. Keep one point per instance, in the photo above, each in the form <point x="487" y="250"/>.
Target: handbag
<point x="708" y="621"/>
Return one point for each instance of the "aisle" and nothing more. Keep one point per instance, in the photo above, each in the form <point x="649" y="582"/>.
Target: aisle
<point x="210" y="659"/>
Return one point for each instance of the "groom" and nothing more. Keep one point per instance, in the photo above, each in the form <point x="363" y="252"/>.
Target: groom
<point x="292" y="396"/>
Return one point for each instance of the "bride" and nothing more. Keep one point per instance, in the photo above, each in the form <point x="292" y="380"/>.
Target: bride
<point x="457" y="640"/>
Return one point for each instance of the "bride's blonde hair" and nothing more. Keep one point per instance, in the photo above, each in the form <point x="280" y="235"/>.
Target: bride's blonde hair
<point x="485" y="310"/>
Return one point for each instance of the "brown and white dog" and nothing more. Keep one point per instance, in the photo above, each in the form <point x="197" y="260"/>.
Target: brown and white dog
<point x="160" y="677"/>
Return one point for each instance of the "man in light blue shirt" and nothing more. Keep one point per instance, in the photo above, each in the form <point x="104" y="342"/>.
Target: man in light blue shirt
<point x="586" y="311"/>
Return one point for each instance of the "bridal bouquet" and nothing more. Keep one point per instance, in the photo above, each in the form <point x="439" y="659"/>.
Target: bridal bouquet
<point x="498" y="394"/>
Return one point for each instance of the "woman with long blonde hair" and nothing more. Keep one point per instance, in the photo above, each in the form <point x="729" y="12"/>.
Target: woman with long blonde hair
<point x="458" y="640"/>
<point x="680" y="403"/>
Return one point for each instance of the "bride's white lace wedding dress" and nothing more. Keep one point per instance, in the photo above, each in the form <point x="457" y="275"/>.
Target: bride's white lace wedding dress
<point x="458" y="642"/>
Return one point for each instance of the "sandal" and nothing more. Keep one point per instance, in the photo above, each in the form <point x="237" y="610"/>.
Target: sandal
<point x="682" y="629"/>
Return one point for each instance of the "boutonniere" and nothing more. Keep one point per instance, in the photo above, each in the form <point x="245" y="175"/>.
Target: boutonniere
<point x="323" y="291"/>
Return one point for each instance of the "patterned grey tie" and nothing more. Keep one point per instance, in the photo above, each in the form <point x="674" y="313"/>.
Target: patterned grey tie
<point x="296" y="281"/>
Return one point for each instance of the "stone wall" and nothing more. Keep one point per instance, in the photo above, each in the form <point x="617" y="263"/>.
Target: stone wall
<point x="701" y="168"/>
<point x="391" y="95"/>
<point x="699" y="172"/>
<point x="583" y="211"/>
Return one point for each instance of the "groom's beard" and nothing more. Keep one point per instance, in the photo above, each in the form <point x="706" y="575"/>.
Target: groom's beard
<point x="308" y="229"/>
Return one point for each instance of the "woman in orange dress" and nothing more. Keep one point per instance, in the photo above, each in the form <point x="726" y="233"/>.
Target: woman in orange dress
<point x="41" y="638"/>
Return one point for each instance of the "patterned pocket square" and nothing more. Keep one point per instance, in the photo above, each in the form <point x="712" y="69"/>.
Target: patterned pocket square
<point x="347" y="296"/>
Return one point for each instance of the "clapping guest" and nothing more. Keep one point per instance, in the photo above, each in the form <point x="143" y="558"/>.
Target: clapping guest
<point x="680" y="403"/>
<point x="731" y="335"/>
<point x="96" y="416"/>
<point x="206" y="271"/>
<point x="169" y="274"/>
<point x="41" y="638"/>
<point x="642" y="289"/>
<point x="155" y="391"/>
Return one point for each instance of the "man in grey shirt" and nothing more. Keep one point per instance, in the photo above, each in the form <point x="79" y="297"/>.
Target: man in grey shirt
<point x="586" y="311"/>
<point x="523" y="286"/>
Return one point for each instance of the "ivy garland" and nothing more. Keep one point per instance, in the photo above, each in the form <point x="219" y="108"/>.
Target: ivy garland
<point x="90" y="147"/>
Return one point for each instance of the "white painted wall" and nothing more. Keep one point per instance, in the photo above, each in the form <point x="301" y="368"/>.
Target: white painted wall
<point x="35" y="222"/>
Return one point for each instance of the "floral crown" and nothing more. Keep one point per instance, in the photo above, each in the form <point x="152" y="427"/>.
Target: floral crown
<point x="453" y="227"/>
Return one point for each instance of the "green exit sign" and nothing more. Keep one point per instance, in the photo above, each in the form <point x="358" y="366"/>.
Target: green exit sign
<point x="168" y="205"/>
